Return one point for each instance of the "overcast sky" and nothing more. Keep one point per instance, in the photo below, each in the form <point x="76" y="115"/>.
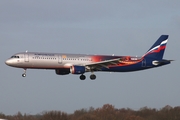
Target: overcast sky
<point x="107" y="27"/>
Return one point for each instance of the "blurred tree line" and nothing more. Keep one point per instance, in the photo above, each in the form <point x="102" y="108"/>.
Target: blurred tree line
<point x="106" y="112"/>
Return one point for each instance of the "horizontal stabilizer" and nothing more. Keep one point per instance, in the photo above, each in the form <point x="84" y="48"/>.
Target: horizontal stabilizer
<point x="161" y="62"/>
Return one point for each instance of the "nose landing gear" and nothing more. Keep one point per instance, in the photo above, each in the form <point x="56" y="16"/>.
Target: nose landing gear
<point x="24" y="74"/>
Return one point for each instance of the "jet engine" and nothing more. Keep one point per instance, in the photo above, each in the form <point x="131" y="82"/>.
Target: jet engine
<point x="62" y="71"/>
<point x="77" y="69"/>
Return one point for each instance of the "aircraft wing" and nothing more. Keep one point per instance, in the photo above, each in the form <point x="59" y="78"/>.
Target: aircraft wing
<point x="103" y="64"/>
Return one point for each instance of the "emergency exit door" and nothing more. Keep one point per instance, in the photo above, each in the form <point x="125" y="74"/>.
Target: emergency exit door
<point x="59" y="59"/>
<point x="26" y="57"/>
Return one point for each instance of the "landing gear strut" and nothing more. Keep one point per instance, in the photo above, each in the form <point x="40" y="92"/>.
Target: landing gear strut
<point x="24" y="74"/>
<point x="82" y="77"/>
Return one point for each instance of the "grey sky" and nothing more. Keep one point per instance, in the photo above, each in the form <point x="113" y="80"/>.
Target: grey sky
<point x="117" y="27"/>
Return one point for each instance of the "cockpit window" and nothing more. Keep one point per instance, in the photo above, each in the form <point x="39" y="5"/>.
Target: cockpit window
<point x="14" y="56"/>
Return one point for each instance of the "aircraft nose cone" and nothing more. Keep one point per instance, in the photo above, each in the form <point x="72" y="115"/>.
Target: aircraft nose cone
<point x="8" y="62"/>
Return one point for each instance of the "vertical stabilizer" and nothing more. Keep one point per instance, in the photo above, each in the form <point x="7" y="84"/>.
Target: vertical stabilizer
<point x="157" y="50"/>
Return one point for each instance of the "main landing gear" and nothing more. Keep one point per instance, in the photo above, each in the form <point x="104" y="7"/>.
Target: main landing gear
<point x="92" y="77"/>
<point x="83" y="77"/>
<point x="24" y="74"/>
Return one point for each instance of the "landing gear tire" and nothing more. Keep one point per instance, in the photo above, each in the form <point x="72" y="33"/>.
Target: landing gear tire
<point x="82" y="77"/>
<point x="92" y="77"/>
<point x="24" y="75"/>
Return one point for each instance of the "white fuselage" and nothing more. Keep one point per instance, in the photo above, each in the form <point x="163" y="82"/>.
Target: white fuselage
<point x="47" y="60"/>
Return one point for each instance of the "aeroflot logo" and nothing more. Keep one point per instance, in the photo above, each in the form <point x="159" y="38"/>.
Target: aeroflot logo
<point x="162" y="43"/>
<point x="44" y="54"/>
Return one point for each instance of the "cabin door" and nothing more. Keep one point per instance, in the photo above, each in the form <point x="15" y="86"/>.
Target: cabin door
<point x="144" y="63"/>
<point x="59" y="59"/>
<point x="26" y="57"/>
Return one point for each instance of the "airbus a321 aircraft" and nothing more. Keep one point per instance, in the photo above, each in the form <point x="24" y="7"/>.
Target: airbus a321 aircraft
<point x="64" y="64"/>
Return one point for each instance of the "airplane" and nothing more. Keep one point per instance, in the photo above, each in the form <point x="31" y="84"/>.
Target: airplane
<point x="79" y="64"/>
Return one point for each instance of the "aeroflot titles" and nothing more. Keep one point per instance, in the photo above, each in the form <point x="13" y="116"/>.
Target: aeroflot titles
<point x="44" y="54"/>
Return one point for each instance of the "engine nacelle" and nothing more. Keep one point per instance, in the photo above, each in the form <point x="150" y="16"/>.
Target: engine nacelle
<point x="77" y="69"/>
<point x="62" y="71"/>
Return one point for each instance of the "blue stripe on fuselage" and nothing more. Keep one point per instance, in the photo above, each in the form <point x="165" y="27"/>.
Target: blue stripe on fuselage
<point x="128" y="68"/>
<point x="135" y="67"/>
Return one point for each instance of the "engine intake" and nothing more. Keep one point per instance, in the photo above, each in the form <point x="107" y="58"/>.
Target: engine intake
<point x="77" y="69"/>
